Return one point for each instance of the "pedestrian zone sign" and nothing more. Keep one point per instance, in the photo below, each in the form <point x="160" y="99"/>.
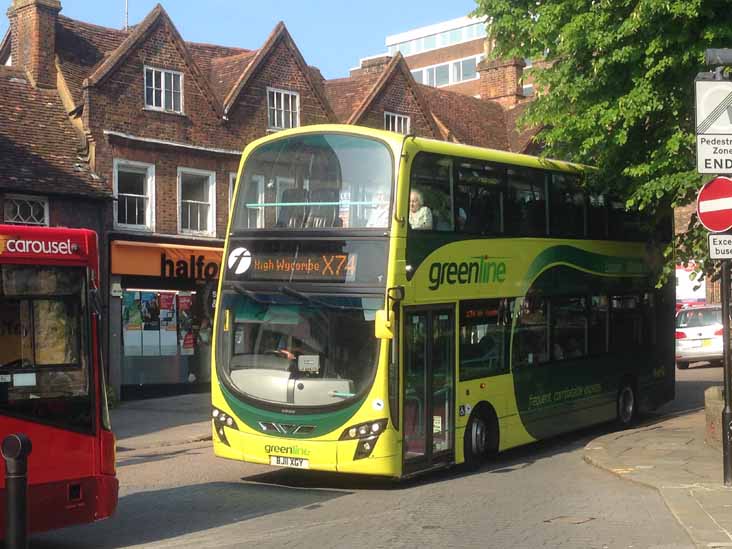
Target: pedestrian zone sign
<point x="714" y="126"/>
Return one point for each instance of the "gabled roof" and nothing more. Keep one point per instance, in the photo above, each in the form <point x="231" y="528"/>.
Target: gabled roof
<point x="346" y="93"/>
<point x="396" y="66"/>
<point x="40" y="148"/>
<point x="226" y="71"/>
<point x="453" y="116"/>
<point x="278" y="33"/>
<point x="5" y="47"/>
<point x="469" y="120"/>
<point x="157" y="16"/>
<point x="206" y="54"/>
<point x="81" y="48"/>
<point x="521" y="139"/>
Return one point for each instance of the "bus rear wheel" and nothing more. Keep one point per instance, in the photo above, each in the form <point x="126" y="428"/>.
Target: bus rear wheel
<point x="627" y="406"/>
<point x="682" y="365"/>
<point x="480" y="439"/>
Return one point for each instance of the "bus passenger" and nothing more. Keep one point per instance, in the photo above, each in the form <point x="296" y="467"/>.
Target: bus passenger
<point x="379" y="216"/>
<point x="420" y="216"/>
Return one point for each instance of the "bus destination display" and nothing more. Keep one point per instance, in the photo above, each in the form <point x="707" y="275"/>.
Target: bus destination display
<point x="314" y="267"/>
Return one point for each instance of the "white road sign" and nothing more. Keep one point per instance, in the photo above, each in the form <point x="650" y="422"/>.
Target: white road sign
<point x="720" y="246"/>
<point x="714" y="126"/>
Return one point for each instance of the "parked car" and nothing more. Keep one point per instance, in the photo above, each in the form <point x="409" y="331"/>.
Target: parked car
<point x="699" y="336"/>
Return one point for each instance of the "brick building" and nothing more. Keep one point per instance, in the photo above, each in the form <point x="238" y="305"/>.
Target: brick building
<point x="152" y="129"/>
<point x="44" y="178"/>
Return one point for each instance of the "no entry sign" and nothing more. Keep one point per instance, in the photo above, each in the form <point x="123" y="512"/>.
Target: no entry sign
<point x="714" y="205"/>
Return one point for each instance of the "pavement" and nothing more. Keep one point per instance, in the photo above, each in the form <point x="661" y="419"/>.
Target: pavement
<point x="158" y="422"/>
<point x="667" y="454"/>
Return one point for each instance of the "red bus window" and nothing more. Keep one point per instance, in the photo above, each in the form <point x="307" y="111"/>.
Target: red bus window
<point x="42" y="338"/>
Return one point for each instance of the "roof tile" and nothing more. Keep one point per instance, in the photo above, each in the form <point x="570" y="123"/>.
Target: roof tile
<point x="471" y="121"/>
<point x="39" y="144"/>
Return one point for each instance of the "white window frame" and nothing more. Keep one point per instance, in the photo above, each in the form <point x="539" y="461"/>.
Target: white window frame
<point x="393" y="122"/>
<point x="527" y="90"/>
<point x="28" y="198"/>
<point x="119" y="164"/>
<point x="162" y="107"/>
<point x="296" y="113"/>
<point x="211" y="218"/>
<point x="450" y="67"/>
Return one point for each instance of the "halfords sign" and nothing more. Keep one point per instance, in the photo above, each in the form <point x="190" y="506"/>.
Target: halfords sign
<point x="168" y="261"/>
<point x="53" y="247"/>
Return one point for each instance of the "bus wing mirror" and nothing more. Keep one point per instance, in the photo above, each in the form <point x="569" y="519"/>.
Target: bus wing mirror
<point x="383" y="324"/>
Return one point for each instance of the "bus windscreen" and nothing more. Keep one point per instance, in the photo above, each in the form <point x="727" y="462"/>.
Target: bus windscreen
<point x="298" y="350"/>
<point x="319" y="181"/>
<point x="44" y="374"/>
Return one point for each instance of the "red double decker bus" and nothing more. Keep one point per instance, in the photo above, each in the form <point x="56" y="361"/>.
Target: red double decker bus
<point x="51" y="378"/>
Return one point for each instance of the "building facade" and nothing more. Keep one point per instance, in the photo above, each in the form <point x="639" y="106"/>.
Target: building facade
<point x="444" y="55"/>
<point x="452" y="55"/>
<point x="157" y="126"/>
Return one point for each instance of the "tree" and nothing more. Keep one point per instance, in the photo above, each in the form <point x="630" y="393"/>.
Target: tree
<point x="616" y="91"/>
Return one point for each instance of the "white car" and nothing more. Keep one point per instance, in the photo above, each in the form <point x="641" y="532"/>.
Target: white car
<point x="699" y="336"/>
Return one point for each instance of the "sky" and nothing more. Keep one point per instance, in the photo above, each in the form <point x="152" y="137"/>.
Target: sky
<point x="331" y="34"/>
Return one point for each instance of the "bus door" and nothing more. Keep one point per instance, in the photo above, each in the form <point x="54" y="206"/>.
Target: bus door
<point x="429" y="387"/>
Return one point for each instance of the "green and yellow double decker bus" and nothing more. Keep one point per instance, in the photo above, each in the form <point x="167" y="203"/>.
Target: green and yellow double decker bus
<point x="390" y="304"/>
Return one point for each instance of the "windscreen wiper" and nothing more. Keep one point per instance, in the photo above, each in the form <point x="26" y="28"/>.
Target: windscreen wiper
<point x="315" y="301"/>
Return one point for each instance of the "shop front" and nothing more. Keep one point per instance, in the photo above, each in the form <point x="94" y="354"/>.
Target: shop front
<point x="161" y="317"/>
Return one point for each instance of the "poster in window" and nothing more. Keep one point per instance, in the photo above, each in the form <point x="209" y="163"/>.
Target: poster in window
<point x="131" y="324"/>
<point x="56" y="332"/>
<point x="150" y="310"/>
<point x="186" y="337"/>
<point x="168" y="324"/>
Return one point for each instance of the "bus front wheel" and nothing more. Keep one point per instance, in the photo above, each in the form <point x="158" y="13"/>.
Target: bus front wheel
<point x="627" y="406"/>
<point x="481" y="437"/>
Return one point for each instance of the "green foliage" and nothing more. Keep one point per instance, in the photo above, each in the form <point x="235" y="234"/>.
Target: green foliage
<point x="617" y="91"/>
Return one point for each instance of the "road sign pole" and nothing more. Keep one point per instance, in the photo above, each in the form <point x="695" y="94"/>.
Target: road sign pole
<point x="727" y="412"/>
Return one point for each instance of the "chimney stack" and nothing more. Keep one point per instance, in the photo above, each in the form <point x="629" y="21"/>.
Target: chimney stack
<point x="33" y="36"/>
<point x="500" y="80"/>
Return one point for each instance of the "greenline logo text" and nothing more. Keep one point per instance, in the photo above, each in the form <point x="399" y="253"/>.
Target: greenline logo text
<point x="286" y="450"/>
<point x="479" y="271"/>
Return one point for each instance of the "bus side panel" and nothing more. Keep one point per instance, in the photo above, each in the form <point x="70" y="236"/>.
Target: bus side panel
<point x="60" y="461"/>
<point x="75" y="501"/>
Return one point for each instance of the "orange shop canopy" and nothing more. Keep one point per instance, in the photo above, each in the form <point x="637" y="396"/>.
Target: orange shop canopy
<point x="165" y="260"/>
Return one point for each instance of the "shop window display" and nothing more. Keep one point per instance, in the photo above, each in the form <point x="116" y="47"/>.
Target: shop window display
<point x="166" y="338"/>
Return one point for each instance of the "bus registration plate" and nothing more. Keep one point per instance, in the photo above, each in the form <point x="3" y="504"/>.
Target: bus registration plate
<point x="286" y="461"/>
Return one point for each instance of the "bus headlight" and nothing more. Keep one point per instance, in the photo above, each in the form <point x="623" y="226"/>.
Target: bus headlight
<point x="367" y="434"/>
<point x="364" y="430"/>
<point x="365" y="447"/>
<point x="221" y="419"/>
